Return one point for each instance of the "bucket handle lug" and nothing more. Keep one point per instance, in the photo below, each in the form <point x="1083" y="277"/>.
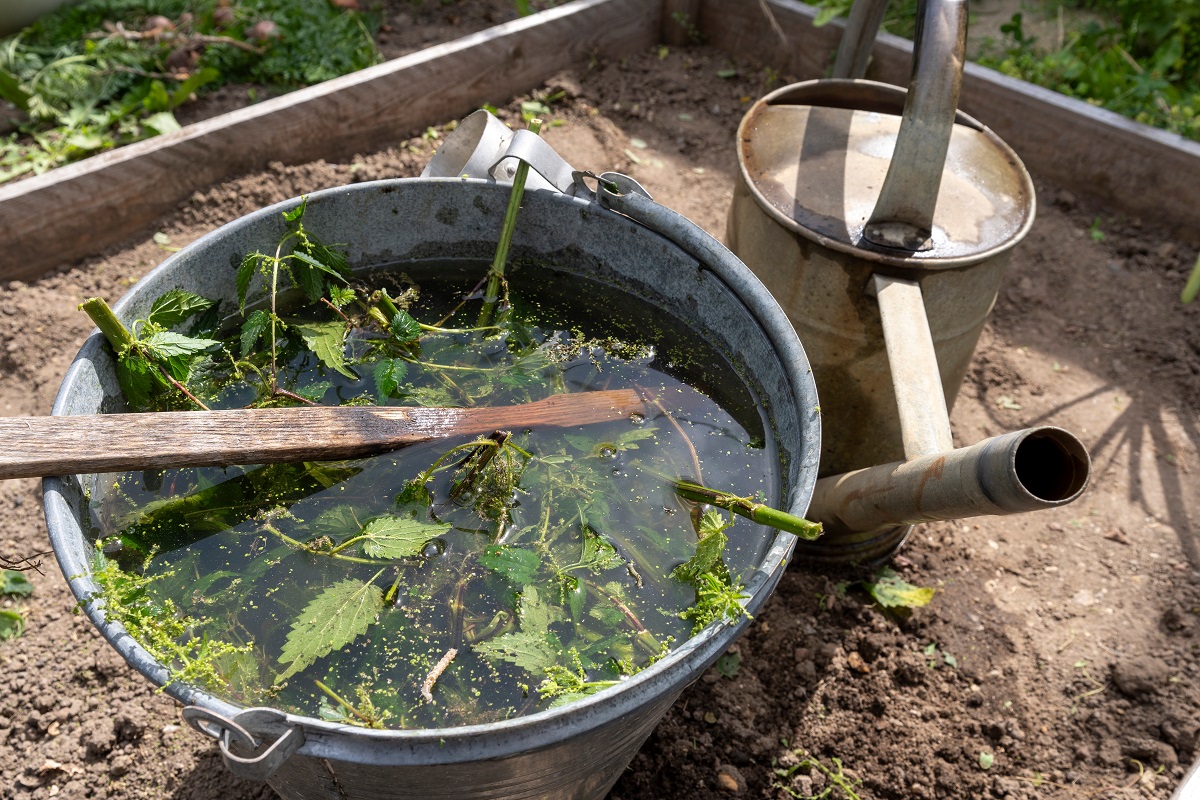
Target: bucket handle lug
<point x="259" y="766"/>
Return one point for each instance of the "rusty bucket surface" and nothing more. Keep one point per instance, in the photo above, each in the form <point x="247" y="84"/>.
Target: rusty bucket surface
<point x="882" y="220"/>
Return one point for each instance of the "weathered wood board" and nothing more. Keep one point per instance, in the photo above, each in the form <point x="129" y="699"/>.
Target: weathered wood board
<point x="80" y="209"/>
<point x="1134" y="168"/>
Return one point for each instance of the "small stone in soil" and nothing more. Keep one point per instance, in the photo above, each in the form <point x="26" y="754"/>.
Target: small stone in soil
<point x="1117" y="535"/>
<point x="730" y="780"/>
<point x="1138" y="677"/>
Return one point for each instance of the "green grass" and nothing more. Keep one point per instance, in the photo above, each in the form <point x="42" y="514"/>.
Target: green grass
<point x="1139" y="58"/>
<point x="82" y="87"/>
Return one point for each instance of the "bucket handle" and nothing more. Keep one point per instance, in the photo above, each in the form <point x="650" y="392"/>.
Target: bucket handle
<point x="903" y="214"/>
<point x="231" y="733"/>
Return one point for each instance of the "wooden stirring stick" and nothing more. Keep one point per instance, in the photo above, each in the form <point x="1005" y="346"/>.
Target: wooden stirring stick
<point x="33" y="447"/>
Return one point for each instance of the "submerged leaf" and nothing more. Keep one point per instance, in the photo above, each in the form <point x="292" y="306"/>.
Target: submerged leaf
<point x="398" y="537"/>
<point x="890" y="591"/>
<point x="533" y="646"/>
<point x="515" y="563"/>
<point x="333" y="619"/>
<point x="598" y="555"/>
<point x="327" y="340"/>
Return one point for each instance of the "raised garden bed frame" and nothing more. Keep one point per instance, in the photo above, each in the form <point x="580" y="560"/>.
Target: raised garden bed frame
<point x="80" y="209"/>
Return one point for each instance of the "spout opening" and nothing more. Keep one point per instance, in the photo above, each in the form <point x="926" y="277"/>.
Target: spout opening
<point x="1052" y="465"/>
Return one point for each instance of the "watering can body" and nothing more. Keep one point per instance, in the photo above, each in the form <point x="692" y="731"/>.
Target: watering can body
<point x="812" y="158"/>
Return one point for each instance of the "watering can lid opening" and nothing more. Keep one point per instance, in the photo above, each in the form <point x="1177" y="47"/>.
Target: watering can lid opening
<point x="814" y="155"/>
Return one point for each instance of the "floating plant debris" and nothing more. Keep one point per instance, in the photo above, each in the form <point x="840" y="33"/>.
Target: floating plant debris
<point x="453" y="582"/>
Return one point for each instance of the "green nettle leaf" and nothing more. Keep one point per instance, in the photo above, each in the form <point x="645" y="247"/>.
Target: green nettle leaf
<point x="404" y="328"/>
<point x="175" y="306"/>
<point x="14" y="582"/>
<point x="341" y="296"/>
<point x="253" y="328"/>
<point x="167" y="344"/>
<point x="515" y="563"/>
<point x="314" y="391"/>
<point x="398" y="537"/>
<point x="333" y="619"/>
<point x="533" y="647"/>
<point x="708" y="553"/>
<point x="598" y="555"/>
<point x="245" y="274"/>
<point x="714" y="521"/>
<point x="335" y="522"/>
<point x="327" y="340"/>
<point x="297" y="213"/>
<point x="583" y="444"/>
<point x="308" y="273"/>
<point x="12" y="625"/>
<point x="389" y="372"/>
<point x="136" y="377"/>
<point x="890" y="591"/>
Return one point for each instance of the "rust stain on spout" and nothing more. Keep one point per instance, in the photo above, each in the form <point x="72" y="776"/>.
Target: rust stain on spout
<point x="935" y="471"/>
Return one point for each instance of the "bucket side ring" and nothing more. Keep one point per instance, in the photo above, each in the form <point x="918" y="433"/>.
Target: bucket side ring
<point x="258" y="766"/>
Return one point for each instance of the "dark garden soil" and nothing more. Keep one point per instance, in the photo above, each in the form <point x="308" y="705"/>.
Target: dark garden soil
<point x="1058" y="658"/>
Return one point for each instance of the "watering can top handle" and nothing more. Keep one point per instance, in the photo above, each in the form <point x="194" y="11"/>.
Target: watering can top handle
<point x="903" y="214"/>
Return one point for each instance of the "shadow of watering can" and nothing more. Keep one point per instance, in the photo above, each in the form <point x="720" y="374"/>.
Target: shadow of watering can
<point x="882" y="221"/>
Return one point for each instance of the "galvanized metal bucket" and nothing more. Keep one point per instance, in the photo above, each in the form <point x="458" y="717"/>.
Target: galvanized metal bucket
<point x="621" y="238"/>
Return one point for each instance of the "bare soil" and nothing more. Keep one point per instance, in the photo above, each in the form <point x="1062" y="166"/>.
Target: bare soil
<point x="1062" y="645"/>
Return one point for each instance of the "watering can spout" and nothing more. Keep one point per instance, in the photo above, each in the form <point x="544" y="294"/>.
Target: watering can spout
<point x="1028" y="470"/>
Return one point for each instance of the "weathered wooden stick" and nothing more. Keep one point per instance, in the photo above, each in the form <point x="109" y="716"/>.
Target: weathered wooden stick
<point x="40" y="446"/>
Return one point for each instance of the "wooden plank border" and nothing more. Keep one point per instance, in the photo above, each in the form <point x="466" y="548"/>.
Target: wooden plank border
<point x="79" y="209"/>
<point x="1132" y="168"/>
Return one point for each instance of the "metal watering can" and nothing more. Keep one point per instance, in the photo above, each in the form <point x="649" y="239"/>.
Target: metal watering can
<point x="882" y="221"/>
<point x="615" y="234"/>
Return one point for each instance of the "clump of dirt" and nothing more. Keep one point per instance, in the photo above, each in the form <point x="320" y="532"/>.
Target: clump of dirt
<point x="1057" y="659"/>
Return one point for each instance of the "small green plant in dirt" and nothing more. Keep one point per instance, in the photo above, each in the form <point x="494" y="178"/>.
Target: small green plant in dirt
<point x="1192" y="288"/>
<point x="935" y="657"/>
<point x="13" y="583"/>
<point x="103" y="73"/>
<point x="837" y="781"/>
<point x="445" y="583"/>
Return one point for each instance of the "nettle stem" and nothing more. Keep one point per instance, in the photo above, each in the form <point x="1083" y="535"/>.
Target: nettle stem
<point x="491" y="294"/>
<point x="744" y="506"/>
<point x="114" y="331"/>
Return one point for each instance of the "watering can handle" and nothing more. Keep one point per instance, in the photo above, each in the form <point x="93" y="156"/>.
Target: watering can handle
<point x="903" y="215"/>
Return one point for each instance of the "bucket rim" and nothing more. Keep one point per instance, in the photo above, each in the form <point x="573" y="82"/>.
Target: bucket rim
<point x="326" y="739"/>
